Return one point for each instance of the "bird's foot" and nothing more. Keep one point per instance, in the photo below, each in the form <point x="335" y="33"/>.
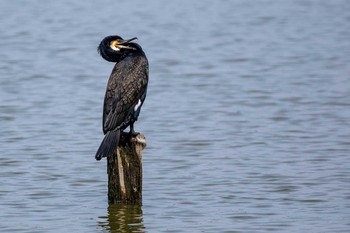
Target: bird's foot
<point x="132" y="133"/>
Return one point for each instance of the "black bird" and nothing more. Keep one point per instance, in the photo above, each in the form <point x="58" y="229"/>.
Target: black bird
<point x="126" y="90"/>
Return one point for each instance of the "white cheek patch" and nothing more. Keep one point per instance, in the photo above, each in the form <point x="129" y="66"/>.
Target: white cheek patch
<point x="114" y="48"/>
<point x="137" y="105"/>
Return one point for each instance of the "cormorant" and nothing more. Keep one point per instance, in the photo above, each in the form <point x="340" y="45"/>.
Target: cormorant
<point x="126" y="90"/>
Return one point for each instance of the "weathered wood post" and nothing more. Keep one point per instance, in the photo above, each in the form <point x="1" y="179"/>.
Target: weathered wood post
<point x="124" y="170"/>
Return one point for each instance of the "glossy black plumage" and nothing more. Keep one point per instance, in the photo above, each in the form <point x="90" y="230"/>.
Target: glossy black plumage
<point x="126" y="90"/>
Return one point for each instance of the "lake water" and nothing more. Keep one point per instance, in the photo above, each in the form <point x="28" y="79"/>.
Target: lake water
<point x="247" y="116"/>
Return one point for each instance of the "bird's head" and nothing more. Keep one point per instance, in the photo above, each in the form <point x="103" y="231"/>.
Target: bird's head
<point x="115" y="48"/>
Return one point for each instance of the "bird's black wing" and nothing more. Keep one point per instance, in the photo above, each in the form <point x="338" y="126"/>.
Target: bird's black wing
<point x="126" y="86"/>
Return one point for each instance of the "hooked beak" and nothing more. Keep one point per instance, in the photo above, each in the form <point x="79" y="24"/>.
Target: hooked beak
<point x="122" y="46"/>
<point x="127" y="41"/>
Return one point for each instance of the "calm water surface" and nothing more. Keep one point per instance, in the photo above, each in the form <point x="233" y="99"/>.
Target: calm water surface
<point x="247" y="116"/>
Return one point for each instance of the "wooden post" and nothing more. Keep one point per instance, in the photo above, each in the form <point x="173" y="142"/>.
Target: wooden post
<point x="125" y="171"/>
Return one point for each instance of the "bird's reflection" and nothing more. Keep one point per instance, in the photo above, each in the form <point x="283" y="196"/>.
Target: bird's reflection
<point x="123" y="218"/>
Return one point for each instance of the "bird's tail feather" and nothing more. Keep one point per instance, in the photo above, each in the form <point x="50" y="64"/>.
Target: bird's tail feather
<point x="108" y="145"/>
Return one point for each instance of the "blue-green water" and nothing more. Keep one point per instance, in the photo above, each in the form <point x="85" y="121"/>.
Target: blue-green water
<point x="247" y="116"/>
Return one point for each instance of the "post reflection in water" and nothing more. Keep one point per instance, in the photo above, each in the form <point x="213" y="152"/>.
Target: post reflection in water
<point x="123" y="218"/>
